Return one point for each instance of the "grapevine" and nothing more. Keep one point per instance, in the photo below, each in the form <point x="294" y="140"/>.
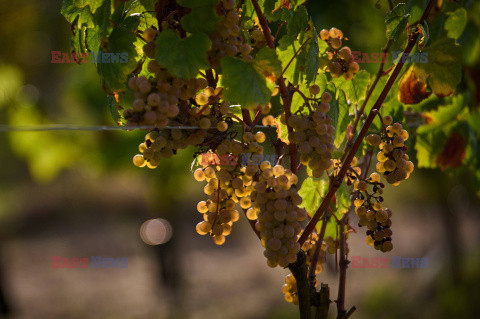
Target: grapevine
<point x="250" y="83"/>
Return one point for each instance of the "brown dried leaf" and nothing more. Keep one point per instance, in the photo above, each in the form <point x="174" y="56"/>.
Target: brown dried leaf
<point x="411" y="90"/>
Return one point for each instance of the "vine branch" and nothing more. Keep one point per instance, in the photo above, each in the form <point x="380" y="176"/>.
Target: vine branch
<point x="346" y="164"/>
<point x="285" y="93"/>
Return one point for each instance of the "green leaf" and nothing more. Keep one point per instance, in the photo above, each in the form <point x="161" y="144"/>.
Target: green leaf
<point x="443" y="72"/>
<point x="396" y="21"/>
<point x="430" y="136"/>
<point x="267" y="63"/>
<point x="455" y="23"/>
<point x="182" y="57"/>
<point x="360" y="83"/>
<point x="343" y="117"/>
<point x="322" y="82"/>
<point x="312" y="191"/>
<point x="425" y="35"/>
<point x="427" y="148"/>
<point x="331" y="229"/>
<point x="201" y="19"/>
<point x="343" y="199"/>
<point x="444" y="115"/>
<point x="93" y="4"/>
<point x="145" y="11"/>
<point x="115" y="74"/>
<point x="243" y="84"/>
<point x="298" y="22"/>
<point x="356" y="88"/>
<point x="268" y="8"/>
<point x="313" y="58"/>
<point x="286" y="51"/>
<point x="282" y="131"/>
<point x="72" y="10"/>
<point x="114" y="112"/>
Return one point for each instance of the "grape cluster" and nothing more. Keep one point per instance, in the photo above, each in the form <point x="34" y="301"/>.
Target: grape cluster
<point x="393" y="162"/>
<point x="159" y="99"/>
<point x="289" y="289"/>
<point x="278" y="215"/>
<point x="218" y="211"/>
<point x="227" y="185"/>
<point x="209" y="118"/>
<point x="164" y="144"/>
<point x="226" y="41"/>
<point x="313" y="133"/>
<point x="368" y="206"/>
<point x="340" y="59"/>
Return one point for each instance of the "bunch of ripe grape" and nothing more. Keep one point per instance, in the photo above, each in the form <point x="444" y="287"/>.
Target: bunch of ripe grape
<point x="227" y="184"/>
<point x="227" y="40"/>
<point x="314" y="135"/>
<point x="340" y="58"/>
<point x="372" y="214"/>
<point x="278" y="215"/>
<point x="393" y="162"/>
<point x="208" y="121"/>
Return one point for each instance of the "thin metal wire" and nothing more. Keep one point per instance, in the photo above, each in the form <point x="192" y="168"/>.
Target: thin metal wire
<point x="71" y="127"/>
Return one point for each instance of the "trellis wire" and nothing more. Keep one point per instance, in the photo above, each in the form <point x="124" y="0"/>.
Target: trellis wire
<point x="71" y="127"/>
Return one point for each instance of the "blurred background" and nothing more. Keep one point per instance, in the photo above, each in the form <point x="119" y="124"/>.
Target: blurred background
<point x="77" y="194"/>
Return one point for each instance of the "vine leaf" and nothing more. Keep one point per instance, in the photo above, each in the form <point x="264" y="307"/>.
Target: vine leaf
<point x="436" y="131"/>
<point x="114" y="112"/>
<point x="356" y="88"/>
<point x="455" y="23"/>
<point x="425" y="35"/>
<point x="343" y="200"/>
<point x="115" y="74"/>
<point x="411" y="90"/>
<point x="80" y="16"/>
<point x="443" y="72"/>
<point x="267" y="63"/>
<point x="312" y="192"/>
<point x="298" y="21"/>
<point x="286" y="51"/>
<point x="243" y="84"/>
<point x="142" y="11"/>
<point x="182" y="57"/>
<point x="202" y="18"/>
<point x="313" y="59"/>
<point x="339" y="114"/>
<point x="282" y="131"/>
<point x="444" y="115"/>
<point x="396" y="21"/>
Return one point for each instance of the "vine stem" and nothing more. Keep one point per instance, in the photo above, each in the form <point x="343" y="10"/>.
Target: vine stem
<point x="316" y="253"/>
<point x="299" y="271"/>
<point x="285" y="93"/>
<point x="359" y="112"/>
<point x="346" y="164"/>
<point x="343" y="267"/>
